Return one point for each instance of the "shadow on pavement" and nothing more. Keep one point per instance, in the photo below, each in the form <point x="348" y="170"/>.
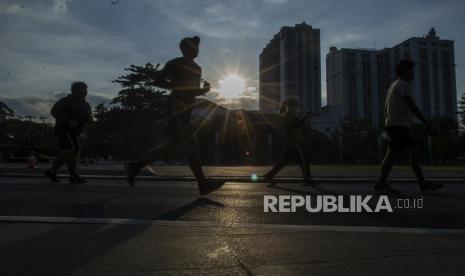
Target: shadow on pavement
<point x="74" y="253"/>
<point x="200" y="202"/>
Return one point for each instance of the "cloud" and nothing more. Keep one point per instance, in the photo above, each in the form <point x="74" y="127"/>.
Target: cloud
<point x="279" y="2"/>
<point x="48" y="44"/>
<point x="30" y="105"/>
<point x="53" y="51"/>
<point x="40" y="106"/>
<point x="60" y="6"/>
<point x="12" y="9"/>
<point x="226" y="20"/>
<point x="241" y="102"/>
<point x="247" y="100"/>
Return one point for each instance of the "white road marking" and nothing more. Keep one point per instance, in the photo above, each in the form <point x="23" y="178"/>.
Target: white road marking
<point x="318" y="228"/>
<point x="244" y="178"/>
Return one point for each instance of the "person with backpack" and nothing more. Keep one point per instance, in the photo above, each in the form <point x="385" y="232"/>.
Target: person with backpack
<point x="71" y="114"/>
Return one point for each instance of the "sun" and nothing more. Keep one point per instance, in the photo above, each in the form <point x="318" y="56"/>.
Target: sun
<point x="232" y="86"/>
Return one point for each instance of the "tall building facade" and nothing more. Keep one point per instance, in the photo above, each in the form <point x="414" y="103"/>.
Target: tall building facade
<point x="290" y="67"/>
<point x="359" y="79"/>
<point x="354" y="81"/>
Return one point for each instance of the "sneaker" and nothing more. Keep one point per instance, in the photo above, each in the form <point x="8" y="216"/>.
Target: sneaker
<point x="133" y="169"/>
<point x="151" y="169"/>
<point x="385" y="190"/>
<point x="208" y="186"/>
<point x="430" y="186"/>
<point x="76" y="179"/>
<point x="52" y="176"/>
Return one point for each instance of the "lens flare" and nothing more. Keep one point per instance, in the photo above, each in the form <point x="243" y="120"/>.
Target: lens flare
<point x="232" y="86"/>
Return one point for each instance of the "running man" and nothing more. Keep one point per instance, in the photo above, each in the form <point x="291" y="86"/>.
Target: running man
<point x="399" y="108"/>
<point x="71" y="114"/>
<point x="183" y="76"/>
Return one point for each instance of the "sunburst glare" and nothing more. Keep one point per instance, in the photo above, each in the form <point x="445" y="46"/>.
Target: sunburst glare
<point x="232" y="86"/>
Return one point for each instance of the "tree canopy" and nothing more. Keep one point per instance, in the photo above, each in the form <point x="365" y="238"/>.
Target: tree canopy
<point x="5" y="111"/>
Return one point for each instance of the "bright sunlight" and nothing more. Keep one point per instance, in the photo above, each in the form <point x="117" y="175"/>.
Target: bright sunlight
<point x="232" y="86"/>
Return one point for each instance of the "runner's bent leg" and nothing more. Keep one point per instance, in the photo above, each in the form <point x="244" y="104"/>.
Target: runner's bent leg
<point x="283" y="161"/>
<point x="386" y="166"/>
<point x="303" y="162"/>
<point x="61" y="159"/>
<point x="73" y="159"/>
<point x="415" y="164"/>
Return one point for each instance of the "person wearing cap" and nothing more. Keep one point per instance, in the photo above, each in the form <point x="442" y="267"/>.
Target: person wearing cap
<point x="71" y="114"/>
<point x="293" y="128"/>
<point x="399" y="108"/>
<point x="182" y="76"/>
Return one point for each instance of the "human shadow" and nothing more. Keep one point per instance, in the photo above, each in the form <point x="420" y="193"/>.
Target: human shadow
<point x="179" y="212"/>
<point x="302" y="192"/>
<point x="295" y="191"/>
<point x="70" y="247"/>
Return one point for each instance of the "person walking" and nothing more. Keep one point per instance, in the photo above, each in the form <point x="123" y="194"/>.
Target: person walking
<point x="71" y="114"/>
<point x="399" y="108"/>
<point x="293" y="132"/>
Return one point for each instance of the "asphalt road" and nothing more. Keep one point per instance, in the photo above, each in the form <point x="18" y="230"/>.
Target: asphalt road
<point x="105" y="227"/>
<point x="233" y="203"/>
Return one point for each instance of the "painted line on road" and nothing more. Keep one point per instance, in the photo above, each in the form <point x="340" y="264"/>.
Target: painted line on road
<point x="246" y="179"/>
<point x="281" y="227"/>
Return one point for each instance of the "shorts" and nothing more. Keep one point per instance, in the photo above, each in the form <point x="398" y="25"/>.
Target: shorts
<point x="400" y="137"/>
<point x="68" y="141"/>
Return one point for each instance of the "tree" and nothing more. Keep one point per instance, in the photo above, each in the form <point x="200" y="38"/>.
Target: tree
<point x="140" y="76"/>
<point x="131" y="123"/>
<point x="99" y="111"/>
<point x="360" y="141"/>
<point x="445" y="146"/>
<point x="5" y="111"/>
<point x="141" y="90"/>
<point x="140" y="99"/>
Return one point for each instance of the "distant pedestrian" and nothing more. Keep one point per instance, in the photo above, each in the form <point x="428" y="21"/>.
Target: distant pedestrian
<point x="71" y="114"/>
<point x="293" y="132"/>
<point x="399" y="108"/>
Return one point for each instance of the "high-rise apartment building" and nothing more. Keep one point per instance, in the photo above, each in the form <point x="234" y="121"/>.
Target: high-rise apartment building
<point x="354" y="82"/>
<point x="290" y="67"/>
<point x="358" y="79"/>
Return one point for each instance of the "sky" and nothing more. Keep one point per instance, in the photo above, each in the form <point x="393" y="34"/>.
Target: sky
<point x="47" y="44"/>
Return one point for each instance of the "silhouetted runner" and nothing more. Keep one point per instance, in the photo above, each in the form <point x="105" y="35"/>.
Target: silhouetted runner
<point x="183" y="76"/>
<point x="71" y="114"/>
<point x="398" y="110"/>
<point x="293" y="130"/>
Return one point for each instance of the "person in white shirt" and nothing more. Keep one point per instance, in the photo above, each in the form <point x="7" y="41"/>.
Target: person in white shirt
<point x="398" y="109"/>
